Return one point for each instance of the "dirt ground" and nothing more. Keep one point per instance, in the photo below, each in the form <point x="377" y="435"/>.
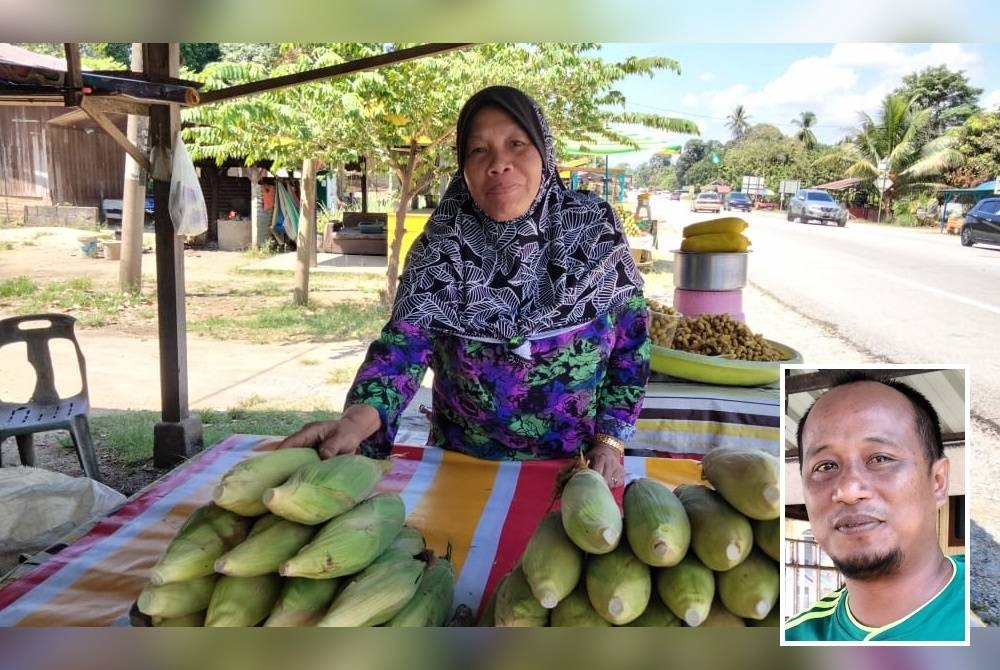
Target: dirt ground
<point x="122" y="357"/>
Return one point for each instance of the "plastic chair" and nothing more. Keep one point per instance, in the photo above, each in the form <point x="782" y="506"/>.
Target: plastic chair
<point x="45" y="409"/>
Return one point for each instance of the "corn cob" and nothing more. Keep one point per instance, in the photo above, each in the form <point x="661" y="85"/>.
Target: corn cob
<point x="431" y="604"/>
<point x="318" y="492"/>
<point x="750" y="589"/>
<point x="377" y="593"/>
<point x="516" y="607"/>
<point x="349" y="542"/>
<point x="687" y="589"/>
<point x="656" y="615"/>
<point x="772" y="620"/>
<point x="656" y="524"/>
<point x="618" y="585"/>
<point x="746" y="478"/>
<point x="240" y="489"/>
<point x="193" y="620"/>
<point x="590" y="514"/>
<point x="262" y="552"/>
<point x="767" y="537"/>
<point x="409" y="539"/>
<point x="552" y="564"/>
<point x="721" y="537"/>
<point x="575" y="611"/>
<point x="242" y="601"/>
<point x="176" y="599"/>
<point x="302" y="602"/>
<point x="208" y="533"/>
<point x="715" y="243"/>
<point x="726" y="224"/>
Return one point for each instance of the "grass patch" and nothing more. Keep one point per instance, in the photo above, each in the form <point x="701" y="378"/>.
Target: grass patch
<point x="341" y="375"/>
<point x="18" y="287"/>
<point x="314" y="322"/>
<point x="6" y="245"/>
<point x="92" y="307"/>
<point x="308" y="362"/>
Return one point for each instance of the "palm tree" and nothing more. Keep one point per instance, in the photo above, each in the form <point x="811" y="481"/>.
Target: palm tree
<point x="738" y="122"/>
<point x="891" y="141"/>
<point x="805" y="122"/>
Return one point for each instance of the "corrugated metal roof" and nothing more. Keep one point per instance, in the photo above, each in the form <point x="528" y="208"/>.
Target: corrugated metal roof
<point x="840" y="184"/>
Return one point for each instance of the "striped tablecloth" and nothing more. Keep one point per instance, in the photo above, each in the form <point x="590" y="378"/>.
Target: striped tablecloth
<point x="486" y="510"/>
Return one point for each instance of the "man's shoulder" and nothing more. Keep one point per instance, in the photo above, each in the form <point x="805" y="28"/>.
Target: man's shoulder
<point x="815" y="623"/>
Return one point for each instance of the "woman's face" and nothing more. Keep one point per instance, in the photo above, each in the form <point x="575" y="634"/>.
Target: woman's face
<point x="503" y="169"/>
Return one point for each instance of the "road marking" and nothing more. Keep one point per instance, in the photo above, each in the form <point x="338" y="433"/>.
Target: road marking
<point x="930" y="289"/>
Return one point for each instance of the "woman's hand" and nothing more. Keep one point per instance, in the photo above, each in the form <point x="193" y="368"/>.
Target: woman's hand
<point x="607" y="461"/>
<point x="339" y="436"/>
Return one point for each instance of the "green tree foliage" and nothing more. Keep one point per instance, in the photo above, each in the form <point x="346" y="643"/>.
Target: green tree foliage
<point x="946" y="93"/>
<point x="738" y="122"/>
<point x="246" y="52"/>
<point x="403" y="116"/>
<point x="805" y="122"/>
<point x="694" y="151"/>
<point x="764" y="151"/>
<point x="196" y="55"/>
<point x="978" y="140"/>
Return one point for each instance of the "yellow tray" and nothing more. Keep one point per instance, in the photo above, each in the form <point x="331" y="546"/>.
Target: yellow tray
<point x="717" y="370"/>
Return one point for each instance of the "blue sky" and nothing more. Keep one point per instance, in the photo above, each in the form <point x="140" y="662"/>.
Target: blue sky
<point x="776" y="82"/>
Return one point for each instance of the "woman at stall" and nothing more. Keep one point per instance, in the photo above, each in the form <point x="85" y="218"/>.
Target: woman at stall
<point x="522" y="297"/>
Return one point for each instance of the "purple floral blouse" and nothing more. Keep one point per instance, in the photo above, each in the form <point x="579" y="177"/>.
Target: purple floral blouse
<point x="491" y="403"/>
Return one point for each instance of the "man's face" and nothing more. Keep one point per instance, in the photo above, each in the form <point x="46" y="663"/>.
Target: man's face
<point x="870" y="495"/>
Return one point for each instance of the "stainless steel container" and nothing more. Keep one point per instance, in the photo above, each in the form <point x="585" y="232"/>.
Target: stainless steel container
<point x="710" y="271"/>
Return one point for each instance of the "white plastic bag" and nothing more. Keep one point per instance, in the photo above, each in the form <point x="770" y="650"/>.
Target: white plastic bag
<point x="187" y="204"/>
<point x="40" y="507"/>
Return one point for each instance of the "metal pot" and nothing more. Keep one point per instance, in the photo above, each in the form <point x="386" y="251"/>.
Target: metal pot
<point x="710" y="271"/>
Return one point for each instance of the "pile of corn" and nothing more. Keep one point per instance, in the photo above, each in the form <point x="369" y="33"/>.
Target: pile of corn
<point x="694" y="556"/>
<point x="290" y="540"/>
<point x="722" y="235"/>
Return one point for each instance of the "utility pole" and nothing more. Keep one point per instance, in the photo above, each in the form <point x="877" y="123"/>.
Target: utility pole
<point x="133" y="196"/>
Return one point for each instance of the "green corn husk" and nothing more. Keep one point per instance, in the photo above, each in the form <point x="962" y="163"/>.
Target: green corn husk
<point x="551" y="562"/>
<point x="516" y="606"/>
<point x="657" y="615"/>
<point x="176" y="599"/>
<point x="772" y="620"/>
<point x="377" y="593"/>
<point x="242" y="601"/>
<point x="262" y="552"/>
<point x="618" y="585"/>
<point x="208" y="533"/>
<point x="575" y="611"/>
<point x="767" y="537"/>
<point x="720" y="536"/>
<point x="750" y="589"/>
<point x="318" y="492"/>
<point x="590" y="514"/>
<point x="242" y="487"/>
<point x="687" y="589"/>
<point x="720" y="617"/>
<point x="746" y="478"/>
<point x="410" y="540"/>
<point x="349" y="542"/>
<point x="656" y="524"/>
<point x="431" y="604"/>
<point x="193" y="620"/>
<point x="302" y="602"/>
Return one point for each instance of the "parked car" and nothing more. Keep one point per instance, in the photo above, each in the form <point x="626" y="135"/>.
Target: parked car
<point x="737" y="200"/>
<point x="709" y="201"/>
<point x="676" y="195"/>
<point x="813" y="204"/>
<point x="982" y="223"/>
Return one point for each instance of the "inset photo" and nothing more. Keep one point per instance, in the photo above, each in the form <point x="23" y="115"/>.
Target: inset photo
<point x="875" y="527"/>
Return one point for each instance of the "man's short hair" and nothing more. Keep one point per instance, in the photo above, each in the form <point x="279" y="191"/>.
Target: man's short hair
<point x="927" y="423"/>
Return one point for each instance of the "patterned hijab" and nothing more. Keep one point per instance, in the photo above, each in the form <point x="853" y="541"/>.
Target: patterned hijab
<point x="562" y="264"/>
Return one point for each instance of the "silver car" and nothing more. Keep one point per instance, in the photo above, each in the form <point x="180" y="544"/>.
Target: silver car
<point x="813" y="204"/>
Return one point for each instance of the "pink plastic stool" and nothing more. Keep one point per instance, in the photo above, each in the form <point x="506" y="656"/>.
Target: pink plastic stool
<point x="693" y="303"/>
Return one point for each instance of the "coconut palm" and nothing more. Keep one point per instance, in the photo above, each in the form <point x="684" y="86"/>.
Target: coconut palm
<point x="805" y="122"/>
<point x="738" y="122"/>
<point x="891" y="141"/>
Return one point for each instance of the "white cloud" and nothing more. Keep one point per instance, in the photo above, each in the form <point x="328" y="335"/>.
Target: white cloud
<point x="707" y="76"/>
<point x="992" y="99"/>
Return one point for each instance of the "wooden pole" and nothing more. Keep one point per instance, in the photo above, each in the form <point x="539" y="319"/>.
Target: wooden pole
<point x="306" y="240"/>
<point x="133" y="197"/>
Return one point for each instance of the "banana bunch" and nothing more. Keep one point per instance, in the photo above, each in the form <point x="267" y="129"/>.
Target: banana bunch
<point x="716" y="236"/>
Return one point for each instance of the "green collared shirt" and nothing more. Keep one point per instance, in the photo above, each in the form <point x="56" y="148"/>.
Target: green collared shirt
<point x="942" y="618"/>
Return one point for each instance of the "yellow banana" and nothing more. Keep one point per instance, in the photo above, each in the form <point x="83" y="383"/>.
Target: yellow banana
<point x="715" y="243"/>
<point x="726" y="224"/>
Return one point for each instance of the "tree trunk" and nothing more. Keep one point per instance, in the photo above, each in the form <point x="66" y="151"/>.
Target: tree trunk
<point x="306" y="239"/>
<point x="133" y="197"/>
